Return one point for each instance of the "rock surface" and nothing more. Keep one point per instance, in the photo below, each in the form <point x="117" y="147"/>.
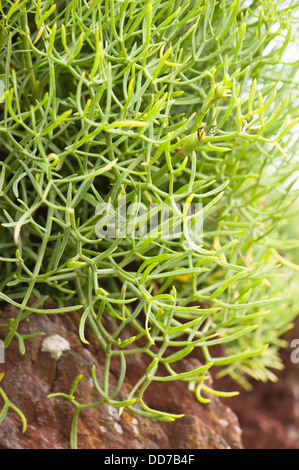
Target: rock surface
<point x="29" y="379"/>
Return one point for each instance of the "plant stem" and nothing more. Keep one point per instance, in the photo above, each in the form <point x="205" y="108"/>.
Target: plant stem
<point x="34" y="84"/>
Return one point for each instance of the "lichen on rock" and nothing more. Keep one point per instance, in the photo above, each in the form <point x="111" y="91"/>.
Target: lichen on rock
<point x="55" y="345"/>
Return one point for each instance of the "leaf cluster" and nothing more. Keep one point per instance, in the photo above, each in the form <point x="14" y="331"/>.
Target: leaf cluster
<point x="166" y="103"/>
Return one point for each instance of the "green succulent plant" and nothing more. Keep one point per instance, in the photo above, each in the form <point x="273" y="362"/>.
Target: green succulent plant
<point x="168" y="104"/>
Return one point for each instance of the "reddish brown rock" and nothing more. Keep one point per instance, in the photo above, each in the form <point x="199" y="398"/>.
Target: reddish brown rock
<point x="269" y="414"/>
<point x="29" y="379"/>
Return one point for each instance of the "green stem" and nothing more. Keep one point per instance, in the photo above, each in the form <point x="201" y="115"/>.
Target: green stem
<point x="34" y="84"/>
<point x="107" y="369"/>
<point x="91" y="321"/>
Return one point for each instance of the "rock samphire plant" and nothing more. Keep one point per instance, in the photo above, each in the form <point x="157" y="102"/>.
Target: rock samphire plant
<point x="124" y="110"/>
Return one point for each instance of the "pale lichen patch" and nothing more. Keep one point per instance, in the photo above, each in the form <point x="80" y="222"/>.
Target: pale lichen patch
<point x="118" y="428"/>
<point x="55" y="345"/>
